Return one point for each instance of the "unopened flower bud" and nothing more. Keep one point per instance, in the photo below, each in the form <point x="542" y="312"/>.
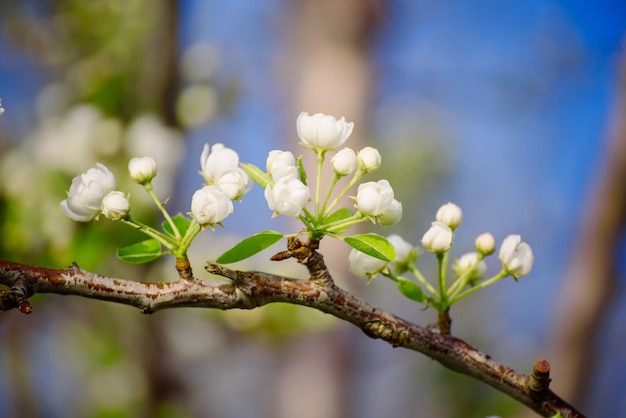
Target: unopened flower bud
<point x="374" y="198"/>
<point x="210" y="205"/>
<point x="485" y="244"/>
<point x="281" y="164"/>
<point x="450" y="214"/>
<point x="344" y="162"/>
<point x="142" y="170"/>
<point x="115" y="205"/>
<point x="369" y="159"/>
<point x="363" y="265"/>
<point x="392" y="215"/>
<point x="438" y="238"/>
<point x="469" y="262"/>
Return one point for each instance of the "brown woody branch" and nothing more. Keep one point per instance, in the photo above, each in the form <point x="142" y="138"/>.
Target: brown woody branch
<point x="250" y="289"/>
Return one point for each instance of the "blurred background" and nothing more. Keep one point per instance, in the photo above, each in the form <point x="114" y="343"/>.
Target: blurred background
<point x="515" y="111"/>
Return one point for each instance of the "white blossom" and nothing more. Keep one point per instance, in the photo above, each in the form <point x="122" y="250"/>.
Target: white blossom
<point x="235" y="183"/>
<point x="450" y="214"/>
<point x="516" y="256"/>
<point x="438" y="238"/>
<point x="363" y="265"/>
<point x="1" y="108"/>
<point x="369" y="159"/>
<point x="115" y="205"/>
<point x="344" y="162"/>
<point x="374" y="198"/>
<point x="220" y="167"/>
<point x="322" y="131"/>
<point x="405" y="252"/>
<point x="392" y="214"/>
<point x="210" y="205"/>
<point x="84" y="199"/>
<point x="287" y="197"/>
<point x="219" y="160"/>
<point x="281" y="164"/>
<point x="485" y="244"/>
<point x="468" y="262"/>
<point x="142" y="169"/>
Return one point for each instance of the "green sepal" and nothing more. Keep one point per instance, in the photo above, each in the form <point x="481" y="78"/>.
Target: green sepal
<point x="301" y="171"/>
<point x="259" y="176"/>
<point x="373" y="245"/>
<point x="250" y="246"/>
<point x="141" y="252"/>
<point x="410" y="289"/>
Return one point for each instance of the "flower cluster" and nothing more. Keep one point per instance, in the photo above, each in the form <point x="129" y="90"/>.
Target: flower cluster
<point x="225" y="182"/>
<point x="92" y="193"/>
<point x="470" y="269"/>
<point x="288" y="194"/>
<point x="1" y="108"/>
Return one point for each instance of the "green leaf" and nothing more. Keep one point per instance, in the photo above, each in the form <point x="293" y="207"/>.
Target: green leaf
<point x="259" y="176"/>
<point x="338" y="215"/>
<point x="141" y="252"/>
<point x="410" y="289"/>
<point x="301" y="172"/>
<point x="250" y="246"/>
<point x="182" y="224"/>
<point x="374" y="245"/>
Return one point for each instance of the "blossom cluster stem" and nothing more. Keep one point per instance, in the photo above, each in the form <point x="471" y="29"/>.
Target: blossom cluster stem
<point x="420" y="277"/>
<point x="165" y="240"/>
<point x="166" y="215"/>
<point x="457" y="296"/>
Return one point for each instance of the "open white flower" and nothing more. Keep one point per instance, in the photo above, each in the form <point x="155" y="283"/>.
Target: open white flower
<point x="210" y="205"/>
<point x="363" y="265"/>
<point x="217" y="162"/>
<point x="115" y="205"/>
<point x="323" y="132"/>
<point x="142" y="169"/>
<point x="221" y="168"/>
<point x="438" y="238"/>
<point x="516" y="256"/>
<point x="287" y="197"/>
<point x="84" y="199"/>
<point x="374" y="198"/>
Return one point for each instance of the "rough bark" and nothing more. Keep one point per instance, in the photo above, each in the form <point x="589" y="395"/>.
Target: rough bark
<point x="251" y="289"/>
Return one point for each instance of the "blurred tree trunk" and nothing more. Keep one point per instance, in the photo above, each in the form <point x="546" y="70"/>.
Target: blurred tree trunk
<point x="328" y="71"/>
<point x="587" y="289"/>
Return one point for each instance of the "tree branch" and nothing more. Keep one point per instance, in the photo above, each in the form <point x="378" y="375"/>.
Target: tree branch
<point x="251" y="289"/>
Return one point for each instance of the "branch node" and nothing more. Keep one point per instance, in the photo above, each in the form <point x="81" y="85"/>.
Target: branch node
<point x="444" y="322"/>
<point x="539" y="380"/>
<point x="184" y="268"/>
<point x="19" y="291"/>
